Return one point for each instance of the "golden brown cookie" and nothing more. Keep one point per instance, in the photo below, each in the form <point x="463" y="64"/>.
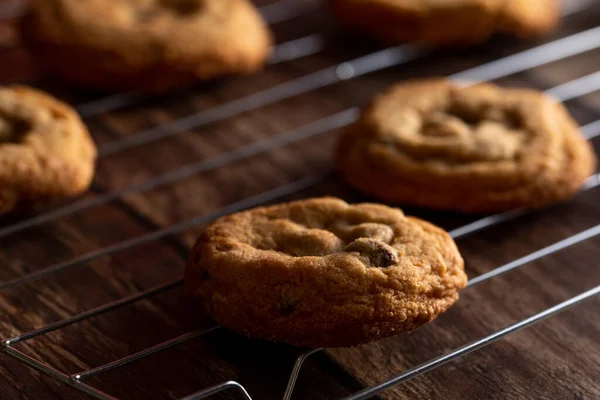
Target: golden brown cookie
<point x="145" y="44"/>
<point x="45" y="150"/>
<point x="482" y="148"/>
<point x="447" y="22"/>
<point x="323" y="273"/>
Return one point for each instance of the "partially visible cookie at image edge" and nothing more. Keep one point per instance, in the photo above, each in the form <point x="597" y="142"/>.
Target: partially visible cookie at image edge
<point x="45" y="150"/>
<point x="324" y="273"/>
<point x="150" y="45"/>
<point x="447" y="22"/>
<point x="483" y="148"/>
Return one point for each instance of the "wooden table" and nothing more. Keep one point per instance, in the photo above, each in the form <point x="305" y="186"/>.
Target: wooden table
<point x="242" y="159"/>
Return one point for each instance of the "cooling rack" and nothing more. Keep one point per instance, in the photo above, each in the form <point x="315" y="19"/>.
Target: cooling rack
<point x="110" y="119"/>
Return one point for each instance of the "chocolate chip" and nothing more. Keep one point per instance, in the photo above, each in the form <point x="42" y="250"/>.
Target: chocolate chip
<point x="13" y="130"/>
<point x="371" y="230"/>
<point x="377" y="253"/>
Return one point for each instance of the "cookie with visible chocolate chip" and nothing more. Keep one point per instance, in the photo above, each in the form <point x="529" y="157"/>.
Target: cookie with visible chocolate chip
<point x="442" y="22"/>
<point x="435" y="143"/>
<point x="150" y="45"/>
<point x="45" y="150"/>
<point x="324" y="273"/>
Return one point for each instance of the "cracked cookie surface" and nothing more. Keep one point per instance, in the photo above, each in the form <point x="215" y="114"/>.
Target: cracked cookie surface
<point x="45" y="150"/>
<point x="148" y="45"/>
<point x="323" y="273"/>
<point x="447" y="22"/>
<point x="482" y="148"/>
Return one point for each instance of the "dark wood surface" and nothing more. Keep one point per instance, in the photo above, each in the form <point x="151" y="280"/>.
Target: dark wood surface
<point x="558" y="358"/>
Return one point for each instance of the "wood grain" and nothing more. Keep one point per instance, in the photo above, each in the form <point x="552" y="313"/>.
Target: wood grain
<point x="556" y="359"/>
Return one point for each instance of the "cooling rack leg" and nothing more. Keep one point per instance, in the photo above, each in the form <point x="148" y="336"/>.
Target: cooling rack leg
<point x="91" y="391"/>
<point x="296" y="371"/>
<point x="218" y="388"/>
<point x="54" y="373"/>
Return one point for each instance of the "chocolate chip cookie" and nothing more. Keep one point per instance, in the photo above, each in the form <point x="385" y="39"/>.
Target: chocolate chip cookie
<point x="145" y="44"/>
<point x="483" y="148"/>
<point x="439" y="22"/>
<point x="45" y="150"/>
<point x="323" y="273"/>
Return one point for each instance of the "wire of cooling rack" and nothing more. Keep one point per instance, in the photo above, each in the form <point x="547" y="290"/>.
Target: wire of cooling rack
<point x="285" y="10"/>
<point x="475" y="345"/>
<point x="274" y="13"/>
<point x="540" y="55"/>
<point x="581" y="86"/>
<point x="278" y="12"/>
<point x="316" y="80"/>
<point x="249" y="202"/>
<point x="286" y="51"/>
<point x="557" y="50"/>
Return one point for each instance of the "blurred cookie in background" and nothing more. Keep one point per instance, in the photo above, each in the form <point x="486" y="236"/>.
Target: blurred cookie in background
<point x="46" y="151"/>
<point x="447" y="22"/>
<point x="146" y="45"/>
<point x="433" y="143"/>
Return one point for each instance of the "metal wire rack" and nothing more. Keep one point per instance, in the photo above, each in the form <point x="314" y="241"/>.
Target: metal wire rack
<point x="560" y="49"/>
